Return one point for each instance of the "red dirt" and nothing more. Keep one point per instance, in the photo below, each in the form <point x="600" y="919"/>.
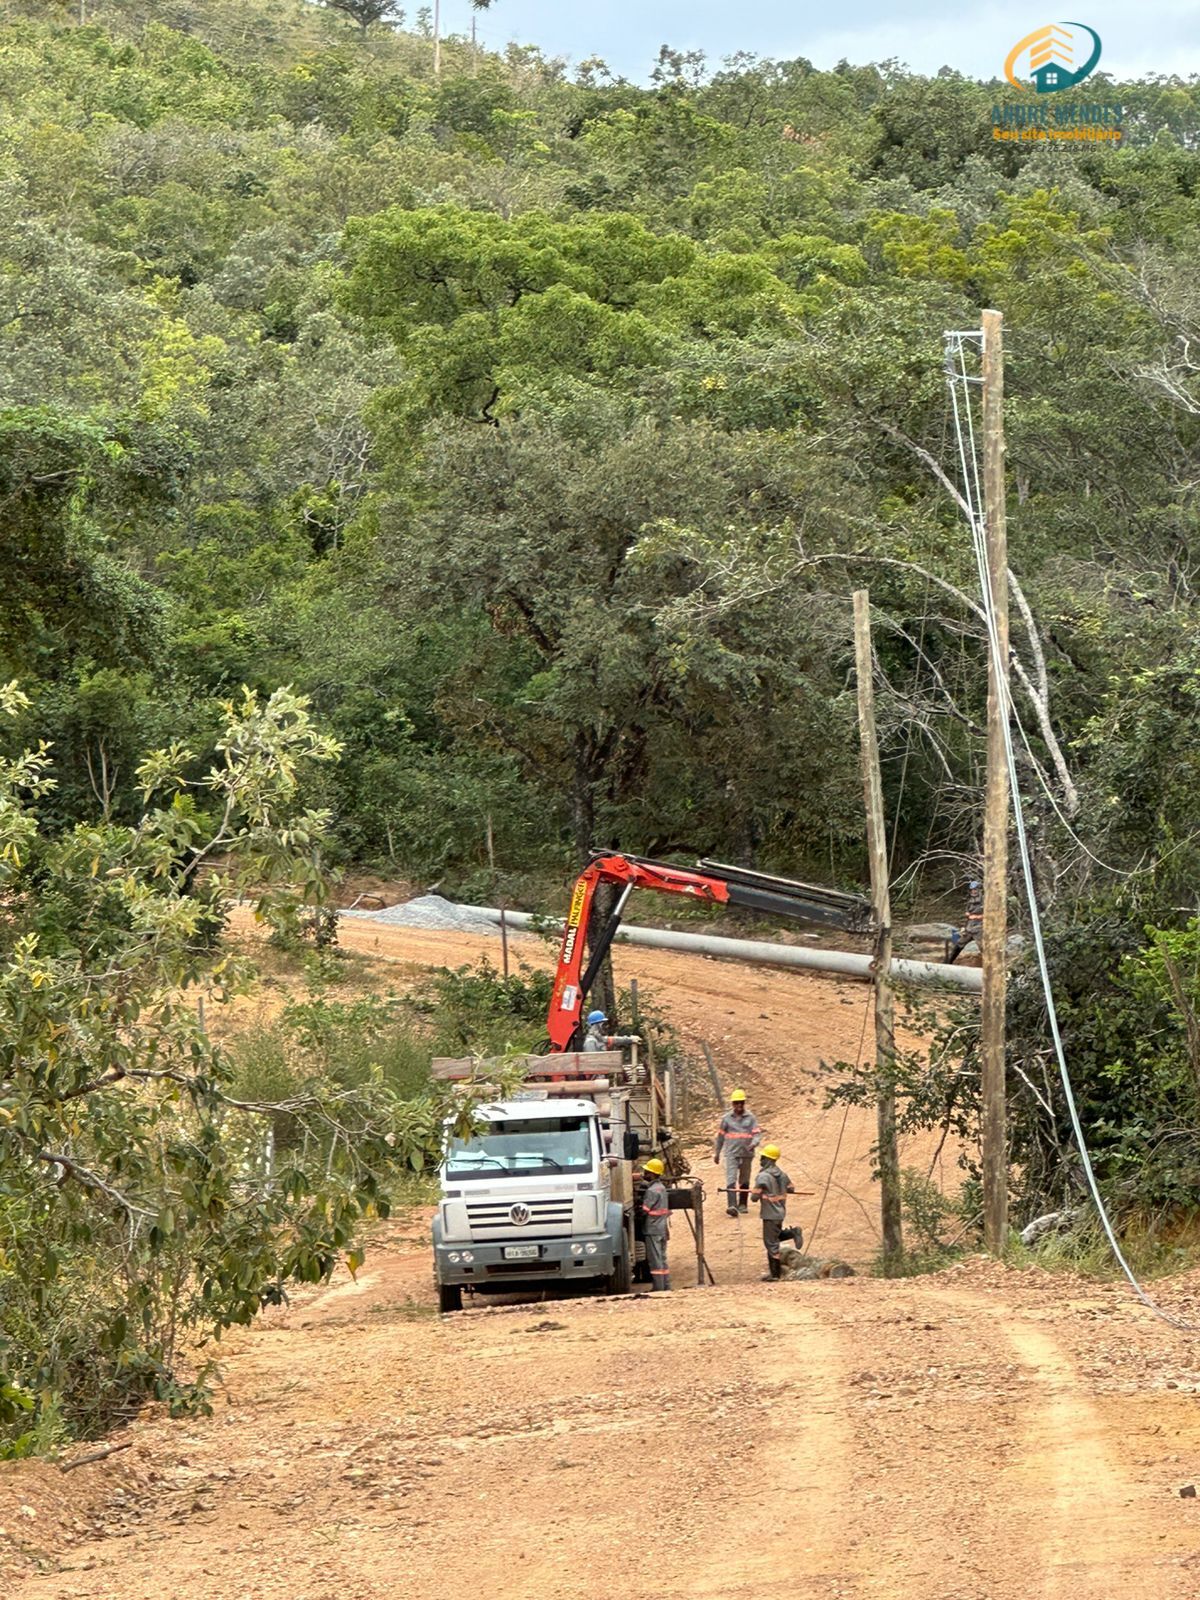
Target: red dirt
<point x="979" y="1435"/>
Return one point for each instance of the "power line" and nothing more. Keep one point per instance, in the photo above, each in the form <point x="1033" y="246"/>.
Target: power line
<point x="842" y="1130"/>
<point x="966" y="440"/>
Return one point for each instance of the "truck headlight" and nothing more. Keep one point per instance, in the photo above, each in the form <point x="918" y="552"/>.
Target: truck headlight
<point x="468" y="1255"/>
<point x="590" y="1249"/>
<point x="454" y="1255"/>
<point x="576" y="1249"/>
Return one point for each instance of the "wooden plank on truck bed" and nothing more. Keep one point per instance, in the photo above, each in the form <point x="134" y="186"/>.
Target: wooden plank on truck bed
<point x="571" y="1064"/>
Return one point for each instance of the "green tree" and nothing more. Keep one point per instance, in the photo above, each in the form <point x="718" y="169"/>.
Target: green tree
<point x="137" y="1214"/>
<point x="367" y="13"/>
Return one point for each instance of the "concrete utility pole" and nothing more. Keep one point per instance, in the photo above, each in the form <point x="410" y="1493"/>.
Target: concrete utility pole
<point x="437" y="38"/>
<point x="994" y="1116"/>
<point x="885" y="1036"/>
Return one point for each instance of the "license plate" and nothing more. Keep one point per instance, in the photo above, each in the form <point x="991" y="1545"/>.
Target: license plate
<point x="520" y="1252"/>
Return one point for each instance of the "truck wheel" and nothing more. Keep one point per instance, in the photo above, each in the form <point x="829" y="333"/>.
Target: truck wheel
<point x="620" y="1280"/>
<point x="449" y="1297"/>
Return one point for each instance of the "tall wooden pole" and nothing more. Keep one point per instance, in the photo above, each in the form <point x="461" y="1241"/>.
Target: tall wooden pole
<point x="885" y="1036"/>
<point x="491" y="853"/>
<point x="994" y="1129"/>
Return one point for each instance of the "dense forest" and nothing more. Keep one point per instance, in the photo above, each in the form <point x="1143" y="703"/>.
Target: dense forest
<point x="537" y="425"/>
<point x="534" y="426"/>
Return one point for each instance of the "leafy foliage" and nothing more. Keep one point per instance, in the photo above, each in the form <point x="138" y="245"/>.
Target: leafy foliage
<point x="535" y="428"/>
<point x="138" y="1212"/>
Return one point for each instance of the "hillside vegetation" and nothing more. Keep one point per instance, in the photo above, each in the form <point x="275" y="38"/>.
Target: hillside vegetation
<point x="534" y="428"/>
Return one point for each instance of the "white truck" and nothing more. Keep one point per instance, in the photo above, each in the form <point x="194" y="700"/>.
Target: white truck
<point x="533" y="1199"/>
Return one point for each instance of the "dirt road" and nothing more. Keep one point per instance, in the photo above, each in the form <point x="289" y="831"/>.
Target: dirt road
<point x="980" y="1435"/>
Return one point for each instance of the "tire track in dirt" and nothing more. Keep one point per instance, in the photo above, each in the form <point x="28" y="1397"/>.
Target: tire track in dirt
<point x="965" y="1437"/>
<point x="1081" y="1498"/>
<point x="858" y="1440"/>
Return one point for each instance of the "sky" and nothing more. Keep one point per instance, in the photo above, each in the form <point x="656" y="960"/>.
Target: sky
<point x="1148" y="37"/>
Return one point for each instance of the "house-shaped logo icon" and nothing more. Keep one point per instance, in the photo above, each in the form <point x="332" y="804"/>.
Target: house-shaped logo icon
<point x="1054" y="57"/>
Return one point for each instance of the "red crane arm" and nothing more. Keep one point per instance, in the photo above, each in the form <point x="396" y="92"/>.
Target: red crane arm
<point x="718" y="884"/>
<point x="566" y="1003"/>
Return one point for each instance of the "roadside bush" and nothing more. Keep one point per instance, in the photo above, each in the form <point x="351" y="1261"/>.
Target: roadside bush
<point x="1128" y="1002"/>
<point x="476" y="1011"/>
<point x="145" y="1204"/>
<point x="928" y="1216"/>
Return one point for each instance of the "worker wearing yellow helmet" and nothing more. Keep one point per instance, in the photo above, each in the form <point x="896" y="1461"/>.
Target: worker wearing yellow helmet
<point x="656" y="1224"/>
<point x="771" y="1189"/>
<point x="738" y="1137"/>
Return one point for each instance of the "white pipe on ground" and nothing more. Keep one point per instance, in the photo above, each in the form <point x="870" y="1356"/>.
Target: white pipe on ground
<point x="843" y="963"/>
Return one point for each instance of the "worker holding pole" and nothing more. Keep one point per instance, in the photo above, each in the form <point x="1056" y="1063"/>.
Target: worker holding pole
<point x="656" y="1214"/>
<point x="738" y="1137"/>
<point x="771" y="1189"/>
<point x="598" y="1038"/>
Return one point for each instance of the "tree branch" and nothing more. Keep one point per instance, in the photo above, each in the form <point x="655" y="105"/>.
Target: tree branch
<point x="89" y="1180"/>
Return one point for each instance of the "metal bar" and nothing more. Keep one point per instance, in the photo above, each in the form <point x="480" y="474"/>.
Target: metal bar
<point x="602" y="946"/>
<point x="766" y="880"/>
<point x="787" y="905"/>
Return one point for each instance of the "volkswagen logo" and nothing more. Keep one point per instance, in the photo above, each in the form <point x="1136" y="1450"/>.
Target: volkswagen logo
<point x="519" y="1215"/>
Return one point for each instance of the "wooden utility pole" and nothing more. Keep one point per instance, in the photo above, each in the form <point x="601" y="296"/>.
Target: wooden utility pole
<point x="885" y="1036"/>
<point x="994" y="1117"/>
<point x="491" y="853"/>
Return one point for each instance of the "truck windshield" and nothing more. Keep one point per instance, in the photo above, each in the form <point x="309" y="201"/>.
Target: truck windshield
<point x="540" y="1145"/>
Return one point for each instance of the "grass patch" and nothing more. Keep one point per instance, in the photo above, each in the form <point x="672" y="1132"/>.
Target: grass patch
<point x="1153" y="1247"/>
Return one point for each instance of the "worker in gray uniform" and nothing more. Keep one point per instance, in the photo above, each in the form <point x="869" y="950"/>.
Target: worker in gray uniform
<point x="972" y="931"/>
<point x="737" y="1137"/>
<point x="598" y="1037"/>
<point x="656" y="1229"/>
<point x="771" y="1189"/>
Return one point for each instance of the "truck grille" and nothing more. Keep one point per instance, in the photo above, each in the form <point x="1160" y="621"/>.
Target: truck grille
<point x="492" y="1219"/>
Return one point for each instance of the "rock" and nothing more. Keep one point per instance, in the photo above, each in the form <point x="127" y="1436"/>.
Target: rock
<point x="1188" y="1492"/>
<point x="1051" y="1222"/>
<point x="930" y="932"/>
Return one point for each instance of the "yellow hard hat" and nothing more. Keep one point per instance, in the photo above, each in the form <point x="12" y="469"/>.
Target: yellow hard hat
<point x="655" y="1166"/>
<point x="771" y="1151"/>
<point x="738" y="1094"/>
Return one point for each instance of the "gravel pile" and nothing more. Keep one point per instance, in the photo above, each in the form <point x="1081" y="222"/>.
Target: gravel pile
<point x="431" y="911"/>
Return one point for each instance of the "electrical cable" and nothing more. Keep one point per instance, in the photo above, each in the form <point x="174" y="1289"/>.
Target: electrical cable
<point x="973" y="497"/>
<point x="841" y="1131"/>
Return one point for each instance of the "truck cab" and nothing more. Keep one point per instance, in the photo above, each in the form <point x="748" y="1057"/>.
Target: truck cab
<point x="527" y="1201"/>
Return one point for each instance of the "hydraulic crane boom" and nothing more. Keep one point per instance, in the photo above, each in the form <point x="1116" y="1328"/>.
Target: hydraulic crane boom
<point x="720" y="885"/>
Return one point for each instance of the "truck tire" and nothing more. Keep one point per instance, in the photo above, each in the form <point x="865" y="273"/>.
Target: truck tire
<point x="620" y="1279"/>
<point x="449" y="1297"/>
